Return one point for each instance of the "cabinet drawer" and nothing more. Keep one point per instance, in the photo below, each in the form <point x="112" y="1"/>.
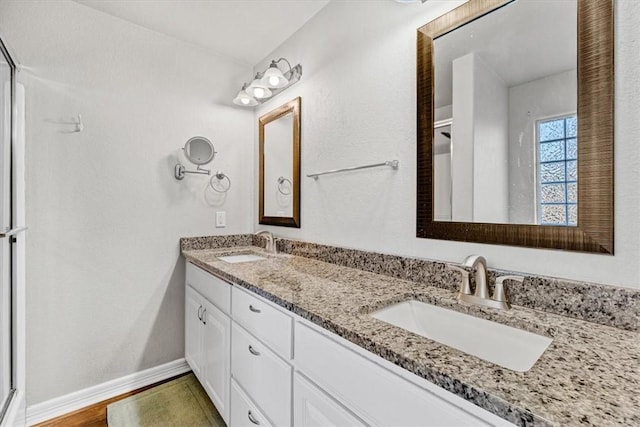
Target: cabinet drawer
<point x="313" y="408"/>
<point x="216" y="290"/>
<point x="378" y="396"/>
<point x="264" y="321"/>
<point x="243" y="412"/>
<point x="262" y="374"/>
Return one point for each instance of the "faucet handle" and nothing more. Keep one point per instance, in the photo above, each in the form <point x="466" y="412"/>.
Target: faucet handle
<point x="498" y="292"/>
<point x="465" y="287"/>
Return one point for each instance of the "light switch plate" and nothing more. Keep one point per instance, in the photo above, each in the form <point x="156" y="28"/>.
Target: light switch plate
<point x="221" y="219"/>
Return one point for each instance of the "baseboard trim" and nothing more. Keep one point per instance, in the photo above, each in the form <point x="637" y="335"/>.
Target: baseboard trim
<point x="79" y="399"/>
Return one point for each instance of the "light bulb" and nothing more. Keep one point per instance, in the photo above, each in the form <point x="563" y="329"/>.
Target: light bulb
<point x="274" y="80"/>
<point x="258" y="92"/>
<point x="244" y="99"/>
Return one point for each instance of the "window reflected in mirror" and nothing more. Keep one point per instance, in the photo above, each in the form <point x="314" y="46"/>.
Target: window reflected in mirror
<point x="558" y="171"/>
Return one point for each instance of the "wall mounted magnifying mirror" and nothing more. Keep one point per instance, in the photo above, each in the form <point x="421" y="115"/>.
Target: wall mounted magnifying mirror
<point x="279" y="140"/>
<point x="515" y="124"/>
<point x="199" y="151"/>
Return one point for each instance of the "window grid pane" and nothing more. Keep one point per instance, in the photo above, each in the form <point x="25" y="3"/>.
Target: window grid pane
<point x="557" y="171"/>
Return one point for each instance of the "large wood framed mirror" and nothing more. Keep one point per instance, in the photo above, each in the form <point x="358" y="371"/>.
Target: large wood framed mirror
<point x="515" y="124"/>
<point x="279" y="153"/>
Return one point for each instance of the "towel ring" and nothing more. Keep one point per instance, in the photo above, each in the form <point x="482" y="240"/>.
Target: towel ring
<point x="281" y="181"/>
<point x="216" y="182"/>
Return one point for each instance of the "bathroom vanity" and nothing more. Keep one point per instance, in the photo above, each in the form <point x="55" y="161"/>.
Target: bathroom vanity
<point x="287" y="340"/>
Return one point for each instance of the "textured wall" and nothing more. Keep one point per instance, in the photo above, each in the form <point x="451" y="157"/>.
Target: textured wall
<point x="359" y="106"/>
<point x="105" y="281"/>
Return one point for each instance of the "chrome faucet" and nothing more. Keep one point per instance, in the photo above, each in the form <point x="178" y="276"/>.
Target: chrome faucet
<point x="481" y="297"/>
<point x="271" y="241"/>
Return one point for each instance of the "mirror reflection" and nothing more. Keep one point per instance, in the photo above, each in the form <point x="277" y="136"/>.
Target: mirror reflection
<point x="199" y="150"/>
<point x="278" y="167"/>
<point x="505" y="131"/>
<point x="279" y="140"/>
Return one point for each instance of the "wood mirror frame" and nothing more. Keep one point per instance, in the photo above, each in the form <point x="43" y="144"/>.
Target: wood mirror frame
<point x="594" y="232"/>
<point x="293" y="107"/>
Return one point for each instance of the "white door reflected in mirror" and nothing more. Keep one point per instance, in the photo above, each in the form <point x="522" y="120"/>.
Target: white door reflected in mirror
<point x="506" y="96"/>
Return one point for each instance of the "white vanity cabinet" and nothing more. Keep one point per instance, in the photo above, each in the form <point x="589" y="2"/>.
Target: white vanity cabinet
<point x="208" y="335"/>
<point x="286" y="371"/>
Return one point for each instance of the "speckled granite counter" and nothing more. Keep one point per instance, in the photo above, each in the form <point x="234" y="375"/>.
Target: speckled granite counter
<point x="589" y="376"/>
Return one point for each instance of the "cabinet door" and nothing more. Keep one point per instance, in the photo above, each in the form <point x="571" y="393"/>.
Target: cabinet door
<point x="313" y="408"/>
<point x="217" y="356"/>
<point x="369" y="390"/>
<point x="193" y="331"/>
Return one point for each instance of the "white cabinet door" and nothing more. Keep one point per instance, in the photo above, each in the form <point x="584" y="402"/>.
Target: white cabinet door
<point x="207" y="348"/>
<point x="313" y="408"/>
<point x="193" y="331"/>
<point x="369" y="390"/>
<point x="217" y="357"/>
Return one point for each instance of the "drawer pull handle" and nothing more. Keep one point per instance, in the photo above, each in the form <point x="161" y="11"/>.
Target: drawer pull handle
<point x="255" y="310"/>
<point x="252" y="351"/>
<point x="199" y="313"/>
<point x="204" y="316"/>
<point x="252" y="418"/>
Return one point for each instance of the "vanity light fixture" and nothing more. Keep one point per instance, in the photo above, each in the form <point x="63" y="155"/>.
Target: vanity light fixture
<point x="257" y="89"/>
<point x="273" y="77"/>
<point x="244" y="99"/>
<point x="268" y="83"/>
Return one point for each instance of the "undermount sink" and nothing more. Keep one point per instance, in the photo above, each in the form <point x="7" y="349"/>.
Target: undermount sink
<point x="502" y="345"/>
<point x="234" y="259"/>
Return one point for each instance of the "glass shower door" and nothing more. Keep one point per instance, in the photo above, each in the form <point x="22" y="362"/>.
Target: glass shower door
<point x="6" y="104"/>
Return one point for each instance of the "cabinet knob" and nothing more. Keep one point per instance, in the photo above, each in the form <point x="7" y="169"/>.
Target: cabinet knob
<point x="252" y="418"/>
<point x="255" y="310"/>
<point x="253" y="351"/>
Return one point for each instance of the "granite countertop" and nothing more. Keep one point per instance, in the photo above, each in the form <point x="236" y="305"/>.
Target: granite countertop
<point x="589" y="375"/>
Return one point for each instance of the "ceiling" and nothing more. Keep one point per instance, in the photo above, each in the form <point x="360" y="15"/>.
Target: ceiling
<point x="245" y="30"/>
<point x="522" y="42"/>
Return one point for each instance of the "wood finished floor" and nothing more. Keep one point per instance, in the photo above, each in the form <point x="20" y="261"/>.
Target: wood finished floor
<point x="95" y="415"/>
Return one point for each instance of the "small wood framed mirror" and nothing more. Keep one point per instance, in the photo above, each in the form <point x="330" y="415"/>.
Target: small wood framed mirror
<point x="279" y="157"/>
<point x="515" y="124"/>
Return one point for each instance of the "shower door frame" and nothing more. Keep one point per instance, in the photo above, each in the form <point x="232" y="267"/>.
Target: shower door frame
<point x="12" y="409"/>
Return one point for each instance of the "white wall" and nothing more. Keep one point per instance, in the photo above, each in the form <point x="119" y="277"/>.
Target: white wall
<point x="105" y="284"/>
<point x="359" y="105"/>
<point x="547" y="97"/>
